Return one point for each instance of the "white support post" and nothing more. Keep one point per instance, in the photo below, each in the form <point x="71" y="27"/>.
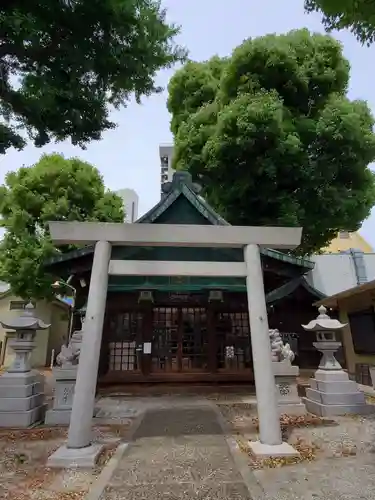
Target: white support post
<point x="80" y="432"/>
<point x="270" y="443"/>
<point x="79" y="450"/>
<point x="269" y="424"/>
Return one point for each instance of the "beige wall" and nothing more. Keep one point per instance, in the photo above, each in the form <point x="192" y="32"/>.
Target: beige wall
<point x="351" y="240"/>
<point x="46" y="340"/>
<point x="357" y="302"/>
<point x="59" y="329"/>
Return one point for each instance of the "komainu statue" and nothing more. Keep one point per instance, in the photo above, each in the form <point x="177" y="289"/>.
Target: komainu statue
<point x="67" y="357"/>
<point x="280" y="351"/>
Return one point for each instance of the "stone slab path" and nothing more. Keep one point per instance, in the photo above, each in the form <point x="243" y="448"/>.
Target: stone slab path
<point x="177" y="453"/>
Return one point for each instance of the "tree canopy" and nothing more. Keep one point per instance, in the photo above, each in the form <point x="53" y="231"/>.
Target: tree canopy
<point x="273" y="138"/>
<point x="356" y="15"/>
<point x="64" y="63"/>
<point x="55" y="188"/>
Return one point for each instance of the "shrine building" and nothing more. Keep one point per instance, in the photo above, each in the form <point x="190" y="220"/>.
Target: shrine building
<point x="189" y="328"/>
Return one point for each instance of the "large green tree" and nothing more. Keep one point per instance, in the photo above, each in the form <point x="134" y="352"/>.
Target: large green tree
<point x="55" y="188"/>
<point x="356" y="15"/>
<point x="273" y="137"/>
<point x="64" y="63"/>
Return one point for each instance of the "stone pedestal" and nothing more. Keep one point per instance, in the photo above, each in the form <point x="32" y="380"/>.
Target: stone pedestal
<point x="65" y="380"/>
<point x="286" y="382"/>
<point x="67" y="458"/>
<point x="332" y="393"/>
<point x="21" y="399"/>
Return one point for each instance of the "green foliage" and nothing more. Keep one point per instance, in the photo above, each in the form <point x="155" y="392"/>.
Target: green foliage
<point x="64" y="63"/>
<point x="356" y="15"/>
<point x="273" y="138"/>
<point x="194" y="85"/>
<point x="55" y="188"/>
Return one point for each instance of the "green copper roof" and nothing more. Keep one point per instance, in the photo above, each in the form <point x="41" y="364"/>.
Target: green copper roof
<point x="74" y="254"/>
<point x="290" y="287"/>
<point x="182" y="185"/>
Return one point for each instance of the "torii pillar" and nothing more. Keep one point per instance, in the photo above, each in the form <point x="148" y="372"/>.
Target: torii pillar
<point x="79" y="449"/>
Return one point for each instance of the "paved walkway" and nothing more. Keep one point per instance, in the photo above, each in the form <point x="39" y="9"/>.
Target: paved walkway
<point x="178" y="454"/>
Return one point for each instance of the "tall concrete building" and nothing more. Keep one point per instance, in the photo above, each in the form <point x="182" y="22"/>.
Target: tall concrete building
<point x="130" y="200"/>
<point x="166" y="170"/>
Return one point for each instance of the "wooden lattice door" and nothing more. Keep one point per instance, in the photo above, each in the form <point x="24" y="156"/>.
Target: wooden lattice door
<point x="125" y="341"/>
<point x="179" y="339"/>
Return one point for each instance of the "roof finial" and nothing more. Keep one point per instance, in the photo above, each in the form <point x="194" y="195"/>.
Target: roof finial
<point x="180" y="178"/>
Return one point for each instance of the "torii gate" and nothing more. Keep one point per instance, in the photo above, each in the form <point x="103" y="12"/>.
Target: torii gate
<point x="79" y="449"/>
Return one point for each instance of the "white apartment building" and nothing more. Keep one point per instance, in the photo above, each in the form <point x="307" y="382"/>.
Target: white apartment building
<point x="166" y="170"/>
<point x="130" y="200"/>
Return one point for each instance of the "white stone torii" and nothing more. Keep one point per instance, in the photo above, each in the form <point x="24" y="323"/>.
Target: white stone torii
<point x="79" y="449"/>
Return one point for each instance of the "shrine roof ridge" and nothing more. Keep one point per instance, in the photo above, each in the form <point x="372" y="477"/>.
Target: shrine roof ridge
<point x="182" y="185"/>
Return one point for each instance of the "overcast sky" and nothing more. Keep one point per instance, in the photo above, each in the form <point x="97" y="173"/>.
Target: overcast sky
<point x="128" y="156"/>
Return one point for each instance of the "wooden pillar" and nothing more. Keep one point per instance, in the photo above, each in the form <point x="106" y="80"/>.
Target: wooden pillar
<point x="180" y="334"/>
<point x="211" y="334"/>
<point x="147" y="335"/>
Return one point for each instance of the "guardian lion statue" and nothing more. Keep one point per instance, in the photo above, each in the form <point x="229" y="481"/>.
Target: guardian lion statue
<point x="280" y="351"/>
<point x="67" y="356"/>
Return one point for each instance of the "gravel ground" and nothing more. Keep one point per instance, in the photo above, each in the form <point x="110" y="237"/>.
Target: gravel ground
<point x="337" y="456"/>
<point x="23" y="455"/>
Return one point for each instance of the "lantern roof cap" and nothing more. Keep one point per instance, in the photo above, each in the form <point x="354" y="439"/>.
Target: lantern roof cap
<point x="323" y="322"/>
<point x="25" y="321"/>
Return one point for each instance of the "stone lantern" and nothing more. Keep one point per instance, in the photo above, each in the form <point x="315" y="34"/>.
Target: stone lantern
<point x="325" y="330"/>
<point x="21" y="390"/>
<point x="331" y="392"/>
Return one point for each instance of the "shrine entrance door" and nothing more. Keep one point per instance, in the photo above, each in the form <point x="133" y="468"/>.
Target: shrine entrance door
<point x="180" y="339"/>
